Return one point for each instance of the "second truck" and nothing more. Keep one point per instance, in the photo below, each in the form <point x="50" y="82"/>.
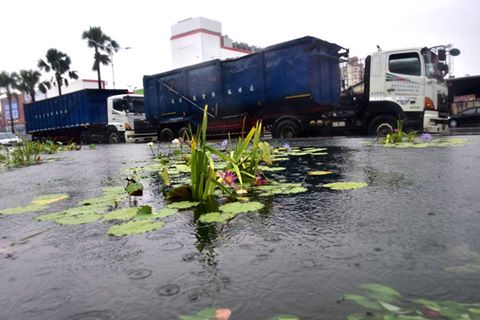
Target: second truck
<point x="296" y="90"/>
<point x="90" y="115"/>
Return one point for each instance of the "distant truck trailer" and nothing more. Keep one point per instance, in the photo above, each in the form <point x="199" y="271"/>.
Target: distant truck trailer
<point x="89" y="115"/>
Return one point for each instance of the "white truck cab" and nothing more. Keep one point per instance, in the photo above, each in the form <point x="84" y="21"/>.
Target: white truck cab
<point x="411" y="81"/>
<point x="123" y="111"/>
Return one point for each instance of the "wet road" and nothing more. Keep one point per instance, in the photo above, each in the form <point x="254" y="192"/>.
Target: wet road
<point x="417" y="220"/>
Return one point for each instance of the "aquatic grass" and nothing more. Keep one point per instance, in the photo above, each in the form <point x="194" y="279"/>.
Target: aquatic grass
<point x="246" y="155"/>
<point x="203" y="174"/>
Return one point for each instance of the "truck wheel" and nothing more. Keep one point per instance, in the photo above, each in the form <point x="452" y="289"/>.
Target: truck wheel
<point x="166" y="135"/>
<point x="381" y="126"/>
<point x="453" y="123"/>
<point x="113" y="138"/>
<point x="183" y="133"/>
<point x="286" y="129"/>
<point x="84" y="139"/>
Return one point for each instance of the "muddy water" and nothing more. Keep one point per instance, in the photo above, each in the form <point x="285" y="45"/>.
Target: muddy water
<point x="419" y="216"/>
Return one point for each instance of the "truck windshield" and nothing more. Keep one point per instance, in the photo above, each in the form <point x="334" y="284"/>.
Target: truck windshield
<point x="135" y="105"/>
<point x="431" y="65"/>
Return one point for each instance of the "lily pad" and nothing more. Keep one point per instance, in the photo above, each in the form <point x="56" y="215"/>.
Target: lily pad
<point x="37" y="204"/>
<point x="363" y="301"/>
<point x="345" y="185"/>
<point x="165" y="212"/>
<point x="134" y="227"/>
<point x="216" y="217"/>
<point x="121" y="214"/>
<point x="271" y="169"/>
<point x="205" y="314"/>
<point x="25" y="209"/>
<point x="284" y="317"/>
<point x="380" y="292"/>
<point x="79" y="218"/>
<point x="319" y="173"/>
<point x="281" y="188"/>
<point x="239" y="207"/>
<point x="182" y="204"/>
<point x="48" y="199"/>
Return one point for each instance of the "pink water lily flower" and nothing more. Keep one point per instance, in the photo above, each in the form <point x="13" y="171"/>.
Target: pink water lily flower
<point x="260" y="181"/>
<point x="228" y="178"/>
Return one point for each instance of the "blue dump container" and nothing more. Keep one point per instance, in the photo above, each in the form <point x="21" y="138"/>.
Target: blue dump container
<point x="305" y="67"/>
<point x="77" y="109"/>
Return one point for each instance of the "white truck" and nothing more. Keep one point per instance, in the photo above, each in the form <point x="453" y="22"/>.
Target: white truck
<point x="407" y="84"/>
<point x="90" y="115"/>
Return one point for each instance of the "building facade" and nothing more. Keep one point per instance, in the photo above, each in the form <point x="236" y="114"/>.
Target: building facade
<point x="352" y="72"/>
<point x="197" y="40"/>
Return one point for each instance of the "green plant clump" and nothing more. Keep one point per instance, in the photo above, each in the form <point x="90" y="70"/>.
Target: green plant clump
<point x="386" y="303"/>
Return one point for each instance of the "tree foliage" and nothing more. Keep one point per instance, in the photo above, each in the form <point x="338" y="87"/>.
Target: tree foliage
<point x="59" y="63"/>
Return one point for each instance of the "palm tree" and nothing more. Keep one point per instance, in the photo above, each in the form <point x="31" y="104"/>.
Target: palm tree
<point x="8" y="82"/>
<point x="28" y="81"/>
<point x="58" y="62"/>
<point x="101" y="43"/>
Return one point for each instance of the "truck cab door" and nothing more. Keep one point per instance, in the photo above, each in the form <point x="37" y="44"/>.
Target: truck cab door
<point x="404" y="82"/>
<point x="118" y="113"/>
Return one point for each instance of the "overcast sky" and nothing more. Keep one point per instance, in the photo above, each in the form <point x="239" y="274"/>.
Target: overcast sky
<point x="30" y="27"/>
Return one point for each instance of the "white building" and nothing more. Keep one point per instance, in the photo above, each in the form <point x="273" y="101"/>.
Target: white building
<point x="196" y="40"/>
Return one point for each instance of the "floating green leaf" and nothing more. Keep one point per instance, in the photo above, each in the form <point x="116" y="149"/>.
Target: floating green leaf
<point x="319" y="173"/>
<point x="165" y="212"/>
<point x="134" y="189"/>
<point x="25" y="209"/>
<point x="271" y="169"/>
<point x="134" y="227"/>
<point x="345" y="185"/>
<point x="239" y="207"/>
<point x="79" y="218"/>
<point x="37" y="204"/>
<point x="284" y="317"/>
<point x="381" y="290"/>
<point x="166" y="177"/>
<point x="48" y="199"/>
<point x="216" y="217"/>
<point x="121" y="214"/>
<point x="363" y="301"/>
<point x="281" y="188"/>
<point x="205" y="314"/>
<point x="182" y="204"/>
<point x="428" y="303"/>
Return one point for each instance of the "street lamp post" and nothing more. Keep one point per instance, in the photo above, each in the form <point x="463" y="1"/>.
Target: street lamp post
<point x="113" y="69"/>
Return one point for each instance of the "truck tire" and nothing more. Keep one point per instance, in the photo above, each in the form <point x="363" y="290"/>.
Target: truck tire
<point x="183" y="133"/>
<point x="286" y="129"/>
<point x="113" y="138"/>
<point x="382" y="125"/>
<point x="84" y="138"/>
<point x="166" y="135"/>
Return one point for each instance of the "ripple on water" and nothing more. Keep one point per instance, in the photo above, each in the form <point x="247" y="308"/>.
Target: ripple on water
<point x="168" y="290"/>
<point x="138" y="274"/>
<point x="94" y="315"/>
<point x="172" y="246"/>
<point x="47" y="300"/>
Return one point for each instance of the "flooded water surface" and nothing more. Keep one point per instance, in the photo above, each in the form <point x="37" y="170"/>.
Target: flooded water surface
<point x="414" y="227"/>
